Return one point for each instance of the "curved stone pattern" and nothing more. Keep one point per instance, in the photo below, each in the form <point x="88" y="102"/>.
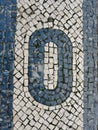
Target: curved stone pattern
<point x="33" y="16"/>
<point x="36" y="61"/>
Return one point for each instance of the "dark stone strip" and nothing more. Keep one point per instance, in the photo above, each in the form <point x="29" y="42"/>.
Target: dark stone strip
<point x="7" y="41"/>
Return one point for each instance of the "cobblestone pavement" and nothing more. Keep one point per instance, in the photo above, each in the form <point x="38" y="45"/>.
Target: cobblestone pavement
<point x="35" y="106"/>
<point x="51" y="85"/>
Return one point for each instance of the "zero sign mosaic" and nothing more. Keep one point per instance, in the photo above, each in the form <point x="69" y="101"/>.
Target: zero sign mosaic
<point x="36" y="66"/>
<point x="41" y="26"/>
<point x="47" y="63"/>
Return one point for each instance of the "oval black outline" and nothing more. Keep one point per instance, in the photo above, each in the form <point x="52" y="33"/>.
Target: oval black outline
<point x="37" y="41"/>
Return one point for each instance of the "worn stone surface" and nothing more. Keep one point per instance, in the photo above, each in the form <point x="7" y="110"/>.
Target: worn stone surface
<point x="7" y="42"/>
<point x="33" y="103"/>
<point x="48" y="65"/>
<point x="90" y="66"/>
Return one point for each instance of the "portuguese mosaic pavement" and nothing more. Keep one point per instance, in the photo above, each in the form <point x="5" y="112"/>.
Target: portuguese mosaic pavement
<point x="48" y="72"/>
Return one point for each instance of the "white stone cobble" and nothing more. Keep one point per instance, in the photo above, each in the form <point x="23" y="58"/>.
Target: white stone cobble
<point x="32" y="16"/>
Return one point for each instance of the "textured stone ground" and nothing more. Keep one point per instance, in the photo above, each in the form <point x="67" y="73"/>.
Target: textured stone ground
<point x="36" y="107"/>
<point x="48" y="65"/>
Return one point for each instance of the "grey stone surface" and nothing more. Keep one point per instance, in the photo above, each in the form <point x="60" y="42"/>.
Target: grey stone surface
<point x="77" y="19"/>
<point x="59" y="15"/>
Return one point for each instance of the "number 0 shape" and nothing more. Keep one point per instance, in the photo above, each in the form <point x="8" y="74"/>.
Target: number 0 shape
<point x="62" y="91"/>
